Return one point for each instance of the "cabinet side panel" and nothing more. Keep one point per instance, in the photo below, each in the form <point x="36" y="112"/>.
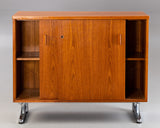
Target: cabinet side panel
<point x="16" y="48"/>
<point x="14" y="60"/>
<point x="146" y="60"/>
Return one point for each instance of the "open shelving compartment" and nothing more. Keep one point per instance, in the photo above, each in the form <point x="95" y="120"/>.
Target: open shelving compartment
<point x="135" y="59"/>
<point x="135" y="39"/>
<point x="27" y="60"/>
<point x="135" y="79"/>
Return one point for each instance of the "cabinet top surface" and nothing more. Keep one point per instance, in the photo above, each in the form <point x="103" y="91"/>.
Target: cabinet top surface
<point x="29" y="15"/>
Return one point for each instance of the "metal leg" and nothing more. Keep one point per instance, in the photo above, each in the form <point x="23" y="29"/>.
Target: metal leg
<point x="24" y="111"/>
<point x="27" y="108"/>
<point x="136" y="111"/>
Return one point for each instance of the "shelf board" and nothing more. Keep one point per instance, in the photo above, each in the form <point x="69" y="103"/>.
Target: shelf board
<point x="135" y="94"/>
<point x="134" y="54"/>
<point x="134" y="59"/>
<point x="29" y="94"/>
<point x="32" y="95"/>
<point x="29" y="56"/>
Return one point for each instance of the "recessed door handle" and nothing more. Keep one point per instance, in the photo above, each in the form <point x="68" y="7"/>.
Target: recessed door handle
<point x="120" y="38"/>
<point x="45" y="39"/>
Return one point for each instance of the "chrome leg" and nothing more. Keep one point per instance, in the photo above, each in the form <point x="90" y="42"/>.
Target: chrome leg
<point x="24" y="111"/>
<point x="136" y="111"/>
<point x="27" y="108"/>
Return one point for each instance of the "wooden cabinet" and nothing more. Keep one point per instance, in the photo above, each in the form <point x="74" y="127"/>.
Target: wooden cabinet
<point x="80" y="56"/>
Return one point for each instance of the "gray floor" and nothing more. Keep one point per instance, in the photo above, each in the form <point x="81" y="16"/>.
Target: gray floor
<point x="76" y="115"/>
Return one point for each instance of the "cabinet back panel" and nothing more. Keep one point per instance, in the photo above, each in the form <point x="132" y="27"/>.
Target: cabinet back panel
<point x="27" y="36"/>
<point x="135" y="79"/>
<point x="135" y="38"/>
<point x="28" y="74"/>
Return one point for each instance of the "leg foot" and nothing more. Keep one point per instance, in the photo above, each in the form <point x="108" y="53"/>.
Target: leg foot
<point x="136" y="112"/>
<point x="27" y="108"/>
<point x="24" y="111"/>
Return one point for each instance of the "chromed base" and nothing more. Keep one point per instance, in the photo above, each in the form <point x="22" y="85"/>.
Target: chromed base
<point x="24" y="111"/>
<point x="136" y="112"/>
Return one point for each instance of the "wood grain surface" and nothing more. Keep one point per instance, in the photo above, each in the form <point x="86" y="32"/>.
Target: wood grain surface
<point x="82" y="59"/>
<point x="30" y="15"/>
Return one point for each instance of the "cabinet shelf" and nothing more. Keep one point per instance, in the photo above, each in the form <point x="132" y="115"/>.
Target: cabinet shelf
<point x="29" y="56"/>
<point x="133" y="54"/>
<point x="135" y="59"/>
<point x="29" y="94"/>
<point x="135" y="94"/>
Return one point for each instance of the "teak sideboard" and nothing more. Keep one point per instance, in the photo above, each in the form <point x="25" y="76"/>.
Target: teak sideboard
<point x="80" y="57"/>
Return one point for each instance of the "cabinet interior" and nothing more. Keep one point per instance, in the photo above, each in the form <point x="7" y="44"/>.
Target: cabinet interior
<point x="27" y="79"/>
<point x="27" y="39"/>
<point x="135" y="79"/>
<point x="135" y="38"/>
<point x="135" y="59"/>
<point x="27" y="59"/>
